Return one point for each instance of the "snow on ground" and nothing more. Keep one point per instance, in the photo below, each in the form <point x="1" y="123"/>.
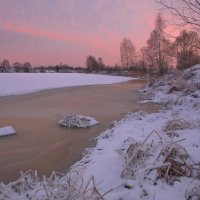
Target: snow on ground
<point x="22" y="83"/>
<point x="7" y="130"/>
<point x="152" y="156"/>
<point x="144" y="156"/>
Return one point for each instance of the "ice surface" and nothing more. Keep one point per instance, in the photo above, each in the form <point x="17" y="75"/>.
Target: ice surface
<point x="22" y="83"/>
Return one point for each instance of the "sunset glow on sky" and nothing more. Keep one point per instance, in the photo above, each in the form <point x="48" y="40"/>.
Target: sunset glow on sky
<point x="47" y="32"/>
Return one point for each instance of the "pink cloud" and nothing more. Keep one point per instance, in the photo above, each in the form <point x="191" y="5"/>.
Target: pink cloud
<point x="96" y="45"/>
<point x="50" y="35"/>
<point x="86" y="27"/>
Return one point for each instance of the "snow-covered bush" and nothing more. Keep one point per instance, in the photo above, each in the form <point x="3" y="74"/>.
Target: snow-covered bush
<point x="151" y="160"/>
<point x="72" y="120"/>
<point x="176" y="87"/>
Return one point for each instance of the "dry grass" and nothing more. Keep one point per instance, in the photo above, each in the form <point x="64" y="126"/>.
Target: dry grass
<point x="57" y="186"/>
<point x="176" y="124"/>
<point x="179" y="164"/>
<point x="135" y="156"/>
<point x="159" y="158"/>
<point x="193" y="190"/>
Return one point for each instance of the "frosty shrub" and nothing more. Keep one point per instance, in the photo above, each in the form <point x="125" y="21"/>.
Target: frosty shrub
<point x="73" y="120"/>
<point x="160" y="158"/>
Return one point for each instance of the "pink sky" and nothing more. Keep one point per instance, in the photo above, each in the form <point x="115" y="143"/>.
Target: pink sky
<point x="47" y="32"/>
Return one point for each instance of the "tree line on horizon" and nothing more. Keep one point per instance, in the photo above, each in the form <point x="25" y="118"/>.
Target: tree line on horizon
<point x="26" y="67"/>
<point x="164" y="51"/>
<point x="16" y="67"/>
<point x="159" y="54"/>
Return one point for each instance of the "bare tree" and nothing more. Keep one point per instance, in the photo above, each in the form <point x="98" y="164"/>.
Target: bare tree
<point x="5" y="65"/>
<point x="186" y="53"/>
<point x="100" y="63"/>
<point x="128" y="53"/>
<point x="17" y="66"/>
<point x="143" y="63"/>
<point x="186" y="11"/>
<point x="27" y="67"/>
<point x="91" y="63"/>
<point x="158" y="46"/>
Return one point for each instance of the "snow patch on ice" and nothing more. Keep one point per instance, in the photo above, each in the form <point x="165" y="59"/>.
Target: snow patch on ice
<point x="7" y="130"/>
<point x="23" y="83"/>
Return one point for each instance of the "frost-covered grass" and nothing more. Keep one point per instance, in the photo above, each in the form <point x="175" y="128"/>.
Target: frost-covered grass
<point x="144" y="156"/>
<point x="22" y="83"/>
<point x="57" y="186"/>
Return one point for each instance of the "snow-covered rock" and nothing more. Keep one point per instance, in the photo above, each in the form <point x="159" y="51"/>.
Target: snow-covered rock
<point x="72" y="120"/>
<point x="7" y="130"/>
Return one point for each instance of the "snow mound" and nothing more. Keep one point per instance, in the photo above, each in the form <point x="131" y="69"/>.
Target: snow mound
<point x="7" y="130"/>
<point x="73" y="120"/>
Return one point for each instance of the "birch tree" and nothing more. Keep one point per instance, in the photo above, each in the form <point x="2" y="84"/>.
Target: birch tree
<point x="128" y="53"/>
<point x="187" y="54"/>
<point x="158" y="46"/>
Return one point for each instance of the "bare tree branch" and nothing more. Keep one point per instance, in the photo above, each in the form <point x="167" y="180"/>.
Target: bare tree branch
<point x="186" y="11"/>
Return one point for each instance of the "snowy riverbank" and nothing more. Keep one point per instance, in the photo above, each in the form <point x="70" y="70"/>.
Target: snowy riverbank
<point x="144" y="156"/>
<point x="152" y="156"/>
<point x="23" y="83"/>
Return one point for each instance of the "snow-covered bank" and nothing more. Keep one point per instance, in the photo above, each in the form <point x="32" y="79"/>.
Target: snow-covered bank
<point x="144" y="156"/>
<point x="153" y="156"/>
<point x="22" y="83"/>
